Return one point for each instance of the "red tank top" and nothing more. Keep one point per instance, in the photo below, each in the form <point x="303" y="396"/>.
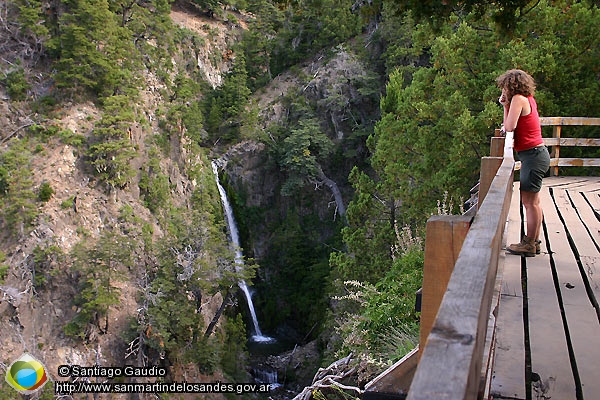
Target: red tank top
<point x="528" y="133"/>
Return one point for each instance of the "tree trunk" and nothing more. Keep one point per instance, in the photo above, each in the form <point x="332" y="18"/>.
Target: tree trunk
<point x="339" y="201"/>
<point x="215" y="319"/>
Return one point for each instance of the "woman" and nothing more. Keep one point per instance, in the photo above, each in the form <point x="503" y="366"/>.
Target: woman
<point x="521" y="117"/>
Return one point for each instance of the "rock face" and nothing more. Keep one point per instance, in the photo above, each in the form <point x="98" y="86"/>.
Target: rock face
<point x="33" y="314"/>
<point x="32" y="319"/>
<point x="288" y="372"/>
<point x="255" y="178"/>
<point x="218" y="37"/>
<point x="333" y="89"/>
<point x="246" y="164"/>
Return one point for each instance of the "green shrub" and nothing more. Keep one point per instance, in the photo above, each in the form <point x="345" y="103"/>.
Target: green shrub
<point x="17" y="196"/>
<point x="3" y="267"/>
<point x="17" y="85"/>
<point x="45" y="192"/>
<point x="155" y="190"/>
<point x="4" y="180"/>
<point x="3" y="272"/>
<point x="68" y="203"/>
<point x="44" y="262"/>
<point x="76" y="327"/>
<point x="68" y="137"/>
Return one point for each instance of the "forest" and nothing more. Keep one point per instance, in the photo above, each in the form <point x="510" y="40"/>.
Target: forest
<point x="343" y="126"/>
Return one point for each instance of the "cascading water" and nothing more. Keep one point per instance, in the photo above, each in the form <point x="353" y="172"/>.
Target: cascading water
<point x="268" y="376"/>
<point x="239" y="261"/>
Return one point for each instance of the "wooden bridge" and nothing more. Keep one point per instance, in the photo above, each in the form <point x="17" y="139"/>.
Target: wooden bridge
<point x="500" y="326"/>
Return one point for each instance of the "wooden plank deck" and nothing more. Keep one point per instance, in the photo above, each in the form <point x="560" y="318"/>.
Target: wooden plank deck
<point x="548" y="338"/>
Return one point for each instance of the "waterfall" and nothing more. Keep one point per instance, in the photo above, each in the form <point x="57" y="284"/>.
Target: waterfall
<point x="268" y="376"/>
<point x="239" y="260"/>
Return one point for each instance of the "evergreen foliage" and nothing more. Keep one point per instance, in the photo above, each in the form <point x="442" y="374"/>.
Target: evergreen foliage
<point x="192" y="263"/>
<point x="154" y="185"/>
<point x="45" y="192"/>
<point x="439" y="61"/>
<point x="17" y="197"/>
<point x="298" y="276"/>
<point x="3" y="267"/>
<point x="31" y="17"/>
<point x="311" y="25"/>
<point x="436" y="119"/>
<point x="45" y="262"/>
<point x="504" y="12"/>
<point x="228" y="102"/>
<point x="234" y="346"/>
<point x="174" y="323"/>
<point x="16" y="84"/>
<point x="111" y="149"/>
<point x="257" y="41"/>
<point x="440" y="108"/>
<point x="91" y="49"/>
<point x="99" y="266"/>
<point x="299" y="145"/>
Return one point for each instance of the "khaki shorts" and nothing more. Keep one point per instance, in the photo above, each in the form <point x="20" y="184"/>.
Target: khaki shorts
<point x="534" y="165"/>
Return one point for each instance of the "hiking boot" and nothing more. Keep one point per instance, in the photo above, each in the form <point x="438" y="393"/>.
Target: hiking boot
<point x="526" y="248"/>
<point x="537" y="246"/>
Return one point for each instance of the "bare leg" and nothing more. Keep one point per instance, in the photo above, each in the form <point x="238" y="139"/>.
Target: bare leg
<point x="529" y="245"/>
<point x="534" y="213"/>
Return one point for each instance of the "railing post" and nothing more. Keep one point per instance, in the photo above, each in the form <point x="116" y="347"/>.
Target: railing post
<point x="497" y="144"/>
<point x="489" y="166"/>
<point x="556" y="130"/>
<point x="443" y="242"/>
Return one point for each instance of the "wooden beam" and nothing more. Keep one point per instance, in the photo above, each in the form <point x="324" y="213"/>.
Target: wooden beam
<point x="451" y="363"/>
<point x="489" y="168"/>
<point x="570" y="241"/>
<point x="443" y="241"/>
<point x="551" y="121"/>
<point x="497" y="146"/>
<point x="508" y="377"/>
<point x="572" y="142"/>
<point x="393" y="383"/>
<point x="556" y="130"/>
<point x="568" y="162"/>
<point x="575" y="162"/>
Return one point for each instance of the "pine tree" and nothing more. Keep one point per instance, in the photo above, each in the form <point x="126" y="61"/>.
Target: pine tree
<point x="99" y="265"/>
<point x="17" y="197"/>
<point x="92" y="50"/>
<point x="111" y="149"/>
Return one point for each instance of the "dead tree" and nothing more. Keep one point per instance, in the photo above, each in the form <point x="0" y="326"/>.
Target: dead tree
<point x="213" y="323"/>
<point x="331" y="377"/>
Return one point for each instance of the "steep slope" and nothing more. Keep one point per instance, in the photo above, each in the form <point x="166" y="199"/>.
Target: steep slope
<point x="176" y="273"/>
<point x="291" y="232"/>
<point x="41" y="270"/>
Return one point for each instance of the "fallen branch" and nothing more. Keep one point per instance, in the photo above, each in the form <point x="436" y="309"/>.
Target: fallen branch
<point x="337" y="194"/>
<point x="15" y="132"/>
<point x="330" y="377"/>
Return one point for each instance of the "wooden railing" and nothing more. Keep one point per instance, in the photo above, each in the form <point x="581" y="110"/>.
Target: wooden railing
<point x="460" y="291"/>
<point x="556" y="142"/>
<point x="451" y="363"/>
<point x="458" y="320"/>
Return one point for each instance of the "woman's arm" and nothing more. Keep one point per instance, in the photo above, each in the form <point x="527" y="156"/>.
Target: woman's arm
<point x="512" y="111"/>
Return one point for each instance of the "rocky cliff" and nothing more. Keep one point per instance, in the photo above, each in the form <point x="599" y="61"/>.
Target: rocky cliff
<point x="289" y="236"/>
<point x="38" y="283"/>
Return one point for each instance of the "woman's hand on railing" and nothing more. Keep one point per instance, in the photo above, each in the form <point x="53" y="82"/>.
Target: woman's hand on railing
<point x="508" y="144"/>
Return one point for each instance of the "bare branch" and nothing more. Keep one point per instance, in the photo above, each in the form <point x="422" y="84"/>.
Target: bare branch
<point x="330" y="377"/>
<point x="15" y="131"/>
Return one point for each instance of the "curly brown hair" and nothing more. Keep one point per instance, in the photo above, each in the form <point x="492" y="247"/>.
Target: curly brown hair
<point x="516" y="81"/>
